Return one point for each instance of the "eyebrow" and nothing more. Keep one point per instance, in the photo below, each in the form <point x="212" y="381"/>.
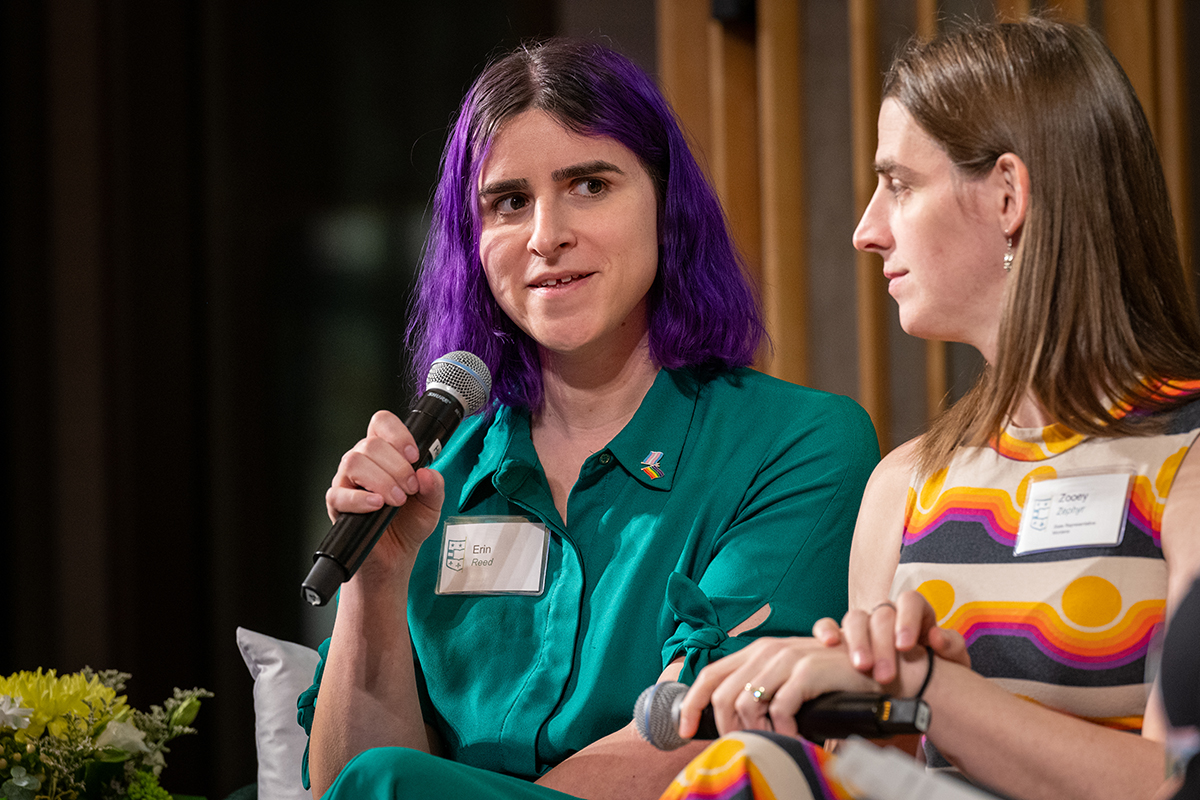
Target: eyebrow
<point x="586" y="168"/>
<point x="890" y="167"/>
<point x="558" y="175"/>
<point x="504" y="187"/>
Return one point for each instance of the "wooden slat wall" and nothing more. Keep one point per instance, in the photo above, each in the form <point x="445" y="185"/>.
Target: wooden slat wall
<point x="737" y="86"/>
<point x="937" y="389"/>
<point x="873" y="384"/>
<point x="784" y="228"/>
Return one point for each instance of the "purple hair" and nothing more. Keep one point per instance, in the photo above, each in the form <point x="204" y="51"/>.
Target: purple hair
<point x="703" y="311"/>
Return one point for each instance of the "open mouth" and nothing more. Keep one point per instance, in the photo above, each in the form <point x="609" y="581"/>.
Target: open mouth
<point x="561" y="281"/>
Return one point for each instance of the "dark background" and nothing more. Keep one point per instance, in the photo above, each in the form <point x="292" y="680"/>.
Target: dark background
<point x="212" y="212"/>
<point x="211" y="215"/>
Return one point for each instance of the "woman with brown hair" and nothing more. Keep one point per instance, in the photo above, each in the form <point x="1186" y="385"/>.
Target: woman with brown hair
<point x="1015" y="565"/>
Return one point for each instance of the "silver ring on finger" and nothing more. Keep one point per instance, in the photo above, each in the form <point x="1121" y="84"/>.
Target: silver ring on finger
<point x="759" y="693"/>
<point x="887" y="603"/>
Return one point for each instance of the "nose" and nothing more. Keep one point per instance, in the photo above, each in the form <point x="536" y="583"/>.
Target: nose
<point x="552" y="232"/>
<point x="872" y="233"/>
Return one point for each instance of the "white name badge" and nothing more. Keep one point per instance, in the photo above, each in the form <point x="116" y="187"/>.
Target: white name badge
<point x="493" y="555"/>
<point x="1081" y="510"/>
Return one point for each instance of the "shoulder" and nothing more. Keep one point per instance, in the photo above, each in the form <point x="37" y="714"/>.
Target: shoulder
<point x="1185" y="418"/>
<point x="765" y="398"/>
<point x="892" y="475"/>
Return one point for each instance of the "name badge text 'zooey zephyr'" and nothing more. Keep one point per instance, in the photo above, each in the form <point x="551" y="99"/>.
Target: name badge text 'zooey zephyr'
<point x="493" y="555"/>
<point x="1077" y="510"/>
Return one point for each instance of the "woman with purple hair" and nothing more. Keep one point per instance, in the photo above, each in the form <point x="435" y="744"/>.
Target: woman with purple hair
<point x="634" y="503"/>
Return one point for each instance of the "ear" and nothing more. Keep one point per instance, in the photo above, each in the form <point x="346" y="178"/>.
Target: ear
<point x="1013" y="177"/>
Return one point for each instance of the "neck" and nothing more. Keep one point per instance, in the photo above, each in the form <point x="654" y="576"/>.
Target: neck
<point x="1030" y="414"/>
<point x="596" y="395"/>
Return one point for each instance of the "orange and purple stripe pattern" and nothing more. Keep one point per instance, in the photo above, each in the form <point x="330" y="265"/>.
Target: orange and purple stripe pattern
<point x="996" y="512"/>
<point x="734" y="768"/>
<point x="1040" y="624"/>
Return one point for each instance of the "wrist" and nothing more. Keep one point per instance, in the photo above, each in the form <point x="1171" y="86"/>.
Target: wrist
<point x="915" y="669"/>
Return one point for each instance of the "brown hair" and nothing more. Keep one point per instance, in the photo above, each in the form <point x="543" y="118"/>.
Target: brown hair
<point x="1096" y="304"/>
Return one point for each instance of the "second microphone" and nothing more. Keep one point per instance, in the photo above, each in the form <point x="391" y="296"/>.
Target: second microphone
<point x="833" y="715"/>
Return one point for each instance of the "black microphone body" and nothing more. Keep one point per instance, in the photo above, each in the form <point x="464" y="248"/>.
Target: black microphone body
<point x="449" y="396"/>
<point x="833" y="715"/>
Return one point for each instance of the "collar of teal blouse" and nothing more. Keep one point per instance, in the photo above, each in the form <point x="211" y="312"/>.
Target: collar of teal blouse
<point x="660" y="425"/>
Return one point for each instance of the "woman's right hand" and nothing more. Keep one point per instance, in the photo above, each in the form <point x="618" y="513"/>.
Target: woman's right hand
<point x="875" y="637"/>
<point x="379" y="471"/>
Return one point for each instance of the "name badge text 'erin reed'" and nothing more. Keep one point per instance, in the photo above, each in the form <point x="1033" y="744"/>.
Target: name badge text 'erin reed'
<point x="493" y="555"/>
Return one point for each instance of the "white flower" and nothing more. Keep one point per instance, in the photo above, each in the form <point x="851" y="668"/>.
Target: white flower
<point x="12" y="715"/>
<point x="122" y="736"/>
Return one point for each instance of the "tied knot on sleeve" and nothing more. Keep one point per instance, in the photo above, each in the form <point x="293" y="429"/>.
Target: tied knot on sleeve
<point x="698" y="635"/>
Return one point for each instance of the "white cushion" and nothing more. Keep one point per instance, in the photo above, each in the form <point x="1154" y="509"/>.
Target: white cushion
<point x="281" y="671"/>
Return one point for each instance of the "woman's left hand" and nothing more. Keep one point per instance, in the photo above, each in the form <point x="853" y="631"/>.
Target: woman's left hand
<point x="783" y="672"/>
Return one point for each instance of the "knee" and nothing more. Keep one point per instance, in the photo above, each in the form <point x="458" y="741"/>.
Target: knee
<point x="392" y="772"/>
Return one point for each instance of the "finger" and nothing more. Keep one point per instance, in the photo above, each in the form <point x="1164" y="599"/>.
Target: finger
<point x="431" y="488"/>
<point x="856" y="633"/>
<point x="883" y="642"/>
<point x="827" y="632"/>
<point x="376" y="466"/>
<point x="389" y="427"/>
<point x="700" y="695"/>
<point x="753" y="704"/>
<point x="810" y="677"/>
<point x="340" y="501"/>
<point x="914" y="618"/>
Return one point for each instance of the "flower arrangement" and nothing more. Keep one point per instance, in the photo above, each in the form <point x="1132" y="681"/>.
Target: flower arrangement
<point x="73" y="737"/>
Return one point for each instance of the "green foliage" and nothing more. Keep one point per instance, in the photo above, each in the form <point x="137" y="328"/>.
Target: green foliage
<point x="74" y="738"/>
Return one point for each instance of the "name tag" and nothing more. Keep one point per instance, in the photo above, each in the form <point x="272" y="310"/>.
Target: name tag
<point x="1083" y="510"/>
<point x="493" y="555"/>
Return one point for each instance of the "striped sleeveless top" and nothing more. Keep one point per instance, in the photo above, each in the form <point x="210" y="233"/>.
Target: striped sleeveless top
<point x="1071" y="629"/>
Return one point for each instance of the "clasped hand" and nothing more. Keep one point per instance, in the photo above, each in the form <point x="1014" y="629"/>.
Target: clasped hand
<point x="379" y="471"/>
<point x="762" y="686"/>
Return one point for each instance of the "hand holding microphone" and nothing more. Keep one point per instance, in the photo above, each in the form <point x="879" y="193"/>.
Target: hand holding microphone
<point x="833" y="715"/>
<point x="457" y="386"/>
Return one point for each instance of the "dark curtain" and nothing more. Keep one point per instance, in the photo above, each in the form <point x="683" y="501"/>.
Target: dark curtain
<point x="212" y="212"/>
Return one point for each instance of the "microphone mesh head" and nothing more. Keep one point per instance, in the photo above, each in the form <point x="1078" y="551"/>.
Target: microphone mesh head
<point x="465" y="375"/>
<point x="656" y="715"/>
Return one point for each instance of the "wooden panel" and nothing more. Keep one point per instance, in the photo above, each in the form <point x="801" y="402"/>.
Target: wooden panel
<point x="1129" y="29"/>
<point x="734" y="91"/>
<point x="873" y="385"/>
<point x="927" y="18"/>
<point x="1173" y="122"/>
<point x="1073" y="10"/>
<point x="936" y="379"/>
<point x="1012" y="9"/>
<point x="784" y="217"/>
<point x="683" y="69"/>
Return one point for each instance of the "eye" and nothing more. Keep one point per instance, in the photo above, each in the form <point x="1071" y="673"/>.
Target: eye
<point x="510" y="204"/>
<point x="590" y="187"/>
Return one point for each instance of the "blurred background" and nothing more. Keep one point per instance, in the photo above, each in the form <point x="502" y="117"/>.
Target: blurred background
<point x="212" y="215"/>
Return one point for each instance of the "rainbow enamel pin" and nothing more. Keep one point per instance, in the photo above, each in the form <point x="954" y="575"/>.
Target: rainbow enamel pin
<point x="651" y="465"/>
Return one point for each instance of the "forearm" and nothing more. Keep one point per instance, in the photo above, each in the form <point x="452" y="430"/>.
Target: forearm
<point x="1030" y="752"/>
<point x="368" y="696"/>
<point x="621" y="766"/>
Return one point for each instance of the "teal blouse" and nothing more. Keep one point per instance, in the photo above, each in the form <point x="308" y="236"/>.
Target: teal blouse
<point x="753" y="503"/>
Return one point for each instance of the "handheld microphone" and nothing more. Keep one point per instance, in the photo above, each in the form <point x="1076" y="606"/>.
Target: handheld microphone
<point x="833" y="715"/>
<point x="458" y="385"/>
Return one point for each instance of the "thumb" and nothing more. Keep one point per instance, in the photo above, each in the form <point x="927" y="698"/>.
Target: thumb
<point x="950" y="645"/>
